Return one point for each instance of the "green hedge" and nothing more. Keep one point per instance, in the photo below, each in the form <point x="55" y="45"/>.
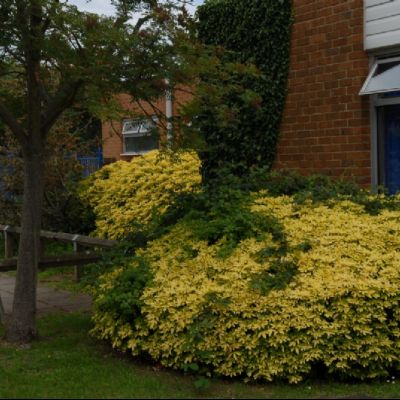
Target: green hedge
<point x="276" y="290"/>
<point x="243" y="131"/>
<point x="296" y="278"/>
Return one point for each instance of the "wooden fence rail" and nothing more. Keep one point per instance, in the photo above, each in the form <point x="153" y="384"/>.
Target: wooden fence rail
<point x="85" y="241"/>
<point x="79" y="257"/>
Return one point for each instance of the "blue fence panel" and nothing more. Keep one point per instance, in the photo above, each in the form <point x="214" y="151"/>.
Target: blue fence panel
<point x="91" y="164"/>
<point x="5" y="171"/>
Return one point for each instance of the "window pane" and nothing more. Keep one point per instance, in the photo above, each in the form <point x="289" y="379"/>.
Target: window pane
<point x="383" y="77"/>
<point x="131" y="126"/>
<point x="389" y="135"/>
<point x="389" y="95"/>
<point x="140" y="144"/>
<point x="138" y="126"/>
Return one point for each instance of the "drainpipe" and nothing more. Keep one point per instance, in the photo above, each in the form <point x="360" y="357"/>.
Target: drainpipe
<point x="168" y="110"/>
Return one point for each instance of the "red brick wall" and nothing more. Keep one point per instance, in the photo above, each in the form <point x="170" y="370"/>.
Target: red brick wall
<point x="326" y="127"/>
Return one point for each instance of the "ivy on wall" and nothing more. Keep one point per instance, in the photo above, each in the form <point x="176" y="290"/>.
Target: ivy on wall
<point x="241" y="109"/>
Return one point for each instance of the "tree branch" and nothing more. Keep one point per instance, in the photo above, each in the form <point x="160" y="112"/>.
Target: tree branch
<point x="140" y="22"/>
<point x="47" y="20"/>
<point x="64" y="98"/>
<point x="160" y="114"/>
<point x="12" y="123"/>
<point x="43" y="93"/>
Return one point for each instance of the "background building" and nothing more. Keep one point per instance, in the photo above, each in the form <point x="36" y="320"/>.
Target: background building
<point x="342" y="115"/>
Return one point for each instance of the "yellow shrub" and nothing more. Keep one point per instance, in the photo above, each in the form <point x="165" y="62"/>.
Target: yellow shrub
<point x="340" y="310"/>
<point x="125" y="194"/>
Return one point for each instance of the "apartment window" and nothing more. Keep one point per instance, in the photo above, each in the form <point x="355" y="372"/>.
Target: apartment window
<point x="388" y="131"/>
<point x="383" y="84"/>
<point x="139" y="135"/>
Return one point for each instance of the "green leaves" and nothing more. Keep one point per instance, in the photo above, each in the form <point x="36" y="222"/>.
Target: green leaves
<point x="105" y="55"/>
<point x="241" y="100"/>
<point x="124" y="300"/>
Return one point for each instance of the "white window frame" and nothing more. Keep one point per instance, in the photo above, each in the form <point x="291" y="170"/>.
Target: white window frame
<point x="381" y="55"/>
<point x="378" y="61"/>
<point x="375" y="102"/>
<point x="144" y="126"/>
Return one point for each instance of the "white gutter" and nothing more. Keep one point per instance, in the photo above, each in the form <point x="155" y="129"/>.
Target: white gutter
<point x="168" y="110"/>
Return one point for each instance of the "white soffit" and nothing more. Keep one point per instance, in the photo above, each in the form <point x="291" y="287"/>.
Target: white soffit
<point x="381" y="24"/>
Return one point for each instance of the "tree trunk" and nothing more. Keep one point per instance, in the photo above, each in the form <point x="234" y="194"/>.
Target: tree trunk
<point x="22" y="326"/>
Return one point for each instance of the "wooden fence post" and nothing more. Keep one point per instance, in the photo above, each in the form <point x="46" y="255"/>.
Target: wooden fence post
<point x="42" y="249"/>
<point x="8" y="243"/>
<point x="78" y="268"/>
<point x="2" y="312"/>
<point x="8" y="253"/>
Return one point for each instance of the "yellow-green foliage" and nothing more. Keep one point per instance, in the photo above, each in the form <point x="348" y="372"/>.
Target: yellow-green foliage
<point x="124" y="195"/>
<point x="340" y="309"/>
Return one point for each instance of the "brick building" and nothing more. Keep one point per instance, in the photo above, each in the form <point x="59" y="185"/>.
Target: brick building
<point x="328" y="126"/>
<point x="342" y="115"/>
<point x="135" y="134"/>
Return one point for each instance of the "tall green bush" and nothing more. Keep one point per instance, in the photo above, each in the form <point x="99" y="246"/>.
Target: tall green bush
<point x="242" y="131"/>
<point x="297" y="279"/>
<point x="304" y="289"/>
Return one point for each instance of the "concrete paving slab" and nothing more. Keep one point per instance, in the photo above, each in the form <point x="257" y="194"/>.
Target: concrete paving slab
<point x="7" y="285"/>
<point x="5" y="278"/>
<point x="7" y="281"/>
<point x="7" y="303"/>
<point x="44" y="290"/>
<point x="49" y="300"/>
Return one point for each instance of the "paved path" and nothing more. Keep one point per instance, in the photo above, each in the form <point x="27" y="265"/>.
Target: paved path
<point x="49" y="300"/>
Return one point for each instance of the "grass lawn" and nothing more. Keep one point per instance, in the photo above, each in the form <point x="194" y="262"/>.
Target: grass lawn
<point x="66" y="363"/>
<point x="60" y="278"/>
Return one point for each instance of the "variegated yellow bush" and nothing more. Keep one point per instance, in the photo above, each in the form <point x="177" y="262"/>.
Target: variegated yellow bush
<point x="339" y="311"/>
<point x="124" y="195"/>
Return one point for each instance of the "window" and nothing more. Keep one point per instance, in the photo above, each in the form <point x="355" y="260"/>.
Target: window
<point x="383" y="84"/>
<point x="384" y="77"/>
<point x="388" y="129"/>
<point x="139" y="136"/>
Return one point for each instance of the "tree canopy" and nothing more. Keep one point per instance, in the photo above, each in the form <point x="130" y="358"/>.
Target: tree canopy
<point x="52" y="56"/>
<point x="69" y="54"/>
